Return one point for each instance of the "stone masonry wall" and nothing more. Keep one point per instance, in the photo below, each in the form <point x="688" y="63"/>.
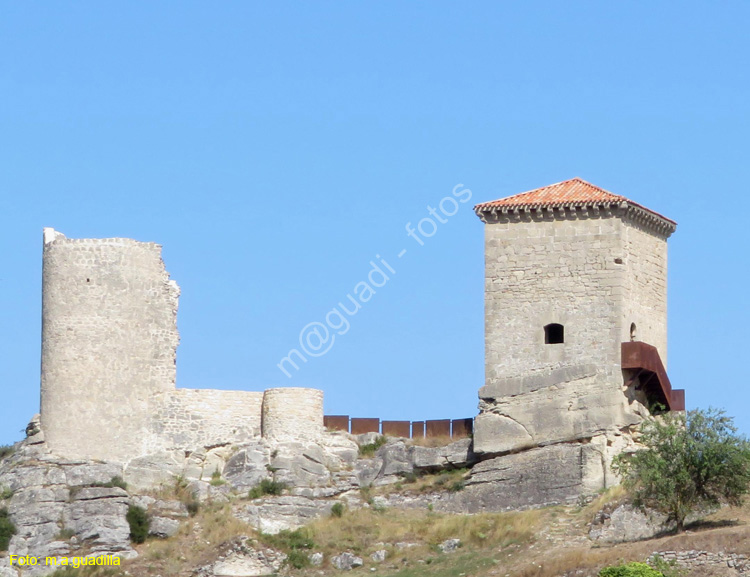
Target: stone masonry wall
<point x="706" y="560"/>
<point x="645" y="303"/>
<point x="552" y="271"/>
<point x="558" y="271"/>
<point x="109" y="344"/>
<point x="190" y="418"/>
<point x="293" y="414"/>
<point x="109" y="340"/>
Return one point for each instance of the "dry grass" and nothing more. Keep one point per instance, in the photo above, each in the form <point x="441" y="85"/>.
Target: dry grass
<point x="426" y="483"/>
<point x="613" y="495"/>
<point x="195" y="544"/>
<point x="727" y="530"/>
<point x="494" y="544"/>
<point x="365" y="531"/>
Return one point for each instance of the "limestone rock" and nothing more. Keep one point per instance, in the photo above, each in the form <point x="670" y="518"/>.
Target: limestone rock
<point x="241" y="566"/>
<point x="155" y="469"/>
<point x="171" y="508"/>
<point x="6" y="571"/>
<point x="300" y="465"/>
<point x="500" y="434"/>
<point x="453" y="456"/>
<point x="538" y="477"/>
<point x="397" y="460"/>
<point x="36" y="512"/>
<point x="379" y="556"/>
<point x="340" y="450"/>
<point x="366" y="438"/>
<point x="316" y="559"/>
<point x="34" y="434"/>
<point x="142" y="501"/>
<point x="97" y="515"/>
<point x="276" y="514"/>
<point x="625" y="524"/>
<point x="32" y="475"/>
<point x="367" y="470"/>
<point x="163" y="527"/>
<point x="90" y="473"/>
<point x="194" y="468"/>
<point x="346" y="561"/>
<point x="240" y="558"/>
<point x="577" y="409"/>
<point x="450" y="545"/>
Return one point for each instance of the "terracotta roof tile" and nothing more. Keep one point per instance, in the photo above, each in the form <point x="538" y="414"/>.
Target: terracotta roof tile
<point x="573" y="192"/>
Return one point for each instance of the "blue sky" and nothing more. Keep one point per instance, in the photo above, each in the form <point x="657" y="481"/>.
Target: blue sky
<point x="274" y="149"/>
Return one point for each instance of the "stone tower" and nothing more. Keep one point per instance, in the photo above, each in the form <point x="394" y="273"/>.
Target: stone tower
<point x="109" y="352"/>
<point x="109" y="342"/>
<point x="575" y="318"/>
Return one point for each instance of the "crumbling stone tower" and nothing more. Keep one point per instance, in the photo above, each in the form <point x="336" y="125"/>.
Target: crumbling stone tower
<point x="575" y="317"/>
<point x="109" y="342"/>
<point x="109" y="350"/>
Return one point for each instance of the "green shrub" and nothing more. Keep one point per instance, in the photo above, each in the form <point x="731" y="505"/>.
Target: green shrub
<point x="630" y="570"/>
<point x="192" y="506"/>
<point x="7" y="529"/>
<point x="410" y="477"/>
<point x="297" y="559"/>
<point x="369" y="449"/>
<point x="288" y="541"/>
<point x="186" y="495"/>
<point x="139" y="523"/>
<point x="266" y="487"/>
<point x="118" y="481"/>
<point x="337" y="510"/>
<point x="6" y="451"/>
<point x="115" y="481"/>
<point x="5" y="493"/>
<point x="216" y="479"/>
<point x="456" y="486"/>
<point x="65" y="534"/>
<point x="691" y="461"/>
<point x="667" y="568"/>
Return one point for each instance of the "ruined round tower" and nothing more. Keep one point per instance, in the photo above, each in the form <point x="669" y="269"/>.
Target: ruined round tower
<point x="575" y="319"/>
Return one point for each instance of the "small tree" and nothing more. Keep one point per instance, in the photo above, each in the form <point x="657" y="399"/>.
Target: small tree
<point x="139" y="523"/>
<point x="7" y="529"/>
<point x="689" y="461"/>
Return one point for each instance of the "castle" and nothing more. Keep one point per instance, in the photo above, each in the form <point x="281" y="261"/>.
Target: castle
<point x="109" y="346"/>
<point x="575" y="317"/>
<point x="575" y="321"/>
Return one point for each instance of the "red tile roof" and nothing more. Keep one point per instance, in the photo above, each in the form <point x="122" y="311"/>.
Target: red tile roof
<point x="573" y="192"/>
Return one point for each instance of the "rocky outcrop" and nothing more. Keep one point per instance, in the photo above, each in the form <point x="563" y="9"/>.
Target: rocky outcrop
<point x="67" y="508"/>
<point x="450" y="545"/>
<point x="287" y="512"/>
<point x="457" y="455"/>
<point x="243" y="557"/>
<point x="624" y="523"/>
<point x="542" y="476"/>
<point x="346" y="561"/>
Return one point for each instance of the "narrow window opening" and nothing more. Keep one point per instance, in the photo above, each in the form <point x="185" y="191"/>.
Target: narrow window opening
<point x="633" y="332"/>
<point x="554" y="334"/>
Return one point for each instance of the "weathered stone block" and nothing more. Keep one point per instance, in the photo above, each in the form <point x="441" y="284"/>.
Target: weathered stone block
<point x="537" y="477"/>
